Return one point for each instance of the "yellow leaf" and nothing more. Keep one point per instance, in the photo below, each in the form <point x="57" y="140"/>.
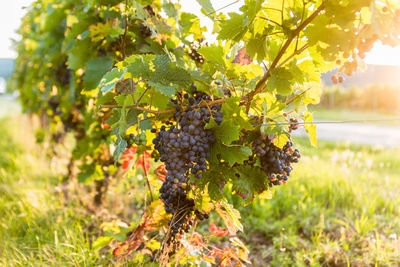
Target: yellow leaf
<point x="267" y="194"/>
<point x="230" y="216"/>
<point x="203" y="200"/>
<point x="310" y="128"/>
<point x="153" y="244"/>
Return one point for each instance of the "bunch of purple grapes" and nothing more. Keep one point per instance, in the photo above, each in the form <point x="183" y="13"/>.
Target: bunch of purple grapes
<point x="275" y="162"/>
<point x="184" y="147"/>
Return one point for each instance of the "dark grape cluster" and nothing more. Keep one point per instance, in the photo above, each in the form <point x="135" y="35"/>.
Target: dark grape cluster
<point x="144" y="31"/>
<point x="275" y="162"/>
<point x="63" y="74"/>
<point x="184" y="147"/>
<point x="196" y="56"/>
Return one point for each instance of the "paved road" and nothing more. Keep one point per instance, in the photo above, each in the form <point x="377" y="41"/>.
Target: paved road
<point x="361" y="133"/>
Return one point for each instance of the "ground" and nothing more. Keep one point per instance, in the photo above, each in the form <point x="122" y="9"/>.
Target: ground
<point x="339" y="208"/>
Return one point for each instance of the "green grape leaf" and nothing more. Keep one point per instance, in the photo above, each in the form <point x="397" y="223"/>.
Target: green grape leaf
<point x="103" y="99"/>
<point x="167" y="72"/>
<point x="233" y="28"/>
<point x="162" y="73"/>
<point x="96" y="68"/>
<point x="280" y="81"/>
<point x="146" y="124"/>
<point x="232" y="109"/>
<point x="214" y="54"/>
<point x="168" y="90"/>
<point x="109" y="80"/>
<point x="170" y="9"/>
<point x="120" y="148"/>
<point x="139" y="66"/>
<point x="108" y="29"/>
<point x="207" y="7"/>
<point x="251" y="8"/>
<point x="227" y="132"/>
<point x="251" y="180"/>
<point x="257" y="46"/>
<point x="78" y="54"/>
<point x="230" y="154"/>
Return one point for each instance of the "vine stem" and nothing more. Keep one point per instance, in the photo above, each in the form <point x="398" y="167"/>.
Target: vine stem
<point x="270" y="20"/>
<point x="262" y="82"/>
<point x="145" y="119"/>
<point x="147" y="178"/>
<point x="156" y="112"/>
<point x="296" y="52"/>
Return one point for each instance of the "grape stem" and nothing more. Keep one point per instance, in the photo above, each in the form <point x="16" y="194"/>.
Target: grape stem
<point x="147" y="178"/>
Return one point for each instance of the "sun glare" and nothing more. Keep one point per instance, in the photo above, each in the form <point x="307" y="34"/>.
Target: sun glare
<point x="383" y="55"/>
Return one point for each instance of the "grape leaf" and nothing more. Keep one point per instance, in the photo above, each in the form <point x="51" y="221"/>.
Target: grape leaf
<point x="310" y="128"/>
<point x="280" y="81"/>
<point x="230" y="154"/>
<point x="120" y="148"/>
<point x="227" y="132"/>
<point x="230" y="216"/>
<point x="162" y="73"/>
<point x="251" y="180"/>
<point x="233" y="110"/>
<point x="96" y="68"/>
<point x="170" y="9"/>
<point x="281" y="139"/>
<point x="257" y="46"/>
<point x="207" y="7"/>
<point x="168" y="90"/>
<point x="232" y="29"/>
<point x="78" y="55"/>
<point x="203" y="201"/>
<point x="110" y="79"/>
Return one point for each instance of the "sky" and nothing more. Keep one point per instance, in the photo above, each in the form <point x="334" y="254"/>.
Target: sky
<point x="11" y="12"/>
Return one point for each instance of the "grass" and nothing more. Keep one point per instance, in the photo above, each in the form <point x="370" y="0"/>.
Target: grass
<point x="347" y="114"/>
<point x="36" y="227"/>
<point x="340" y="208"/>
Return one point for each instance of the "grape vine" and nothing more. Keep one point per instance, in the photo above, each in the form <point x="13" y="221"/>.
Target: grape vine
<point x="126" y="77"/>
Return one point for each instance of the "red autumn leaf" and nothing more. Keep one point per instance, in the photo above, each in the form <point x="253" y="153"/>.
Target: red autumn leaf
<point x="225" y="257"/>
<point x="218" y="231"/>
<point x="161" y="172"/>
<point x="133" y="241"/>
<point x="129" y="156"/>
<point x="146" y="157"/>
<point x="126" y="248"/>
<point x="196" y="239"/>
<point x="242" y="58"/>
